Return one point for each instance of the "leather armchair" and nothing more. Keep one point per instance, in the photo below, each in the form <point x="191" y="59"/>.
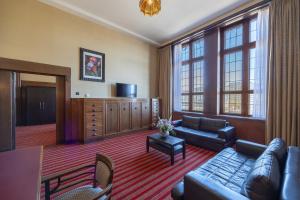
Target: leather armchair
<point x="250" y="148"/>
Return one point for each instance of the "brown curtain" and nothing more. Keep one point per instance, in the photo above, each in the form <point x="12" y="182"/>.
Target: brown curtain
<point x="283" y="119"/>
<point x="165" y="80"/>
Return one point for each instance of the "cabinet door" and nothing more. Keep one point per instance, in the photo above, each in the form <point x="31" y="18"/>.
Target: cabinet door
<point x="124" y="116"/>
<point x="34" y="105"/>
<point x="112" y="118"/>
<point x="49" y="105"/>
<point x="145" y="114"/>
<point x="136" y="115"/>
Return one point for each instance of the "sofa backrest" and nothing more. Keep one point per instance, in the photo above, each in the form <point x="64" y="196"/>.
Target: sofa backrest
<point x="263" y="181"/>
<point x="191" y="122"/>
<point x="278" y="147"/>
<point x="208" y="124"/>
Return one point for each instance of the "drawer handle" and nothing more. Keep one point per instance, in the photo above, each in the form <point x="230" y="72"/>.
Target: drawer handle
<point x="93" y="120"/>
<point x="124" y="108"/>
<point x="135" y="108"/>
<point x="94" y="110"/>
<point x="93" y="105"/>
<point x="94" y="124"/>
<point x="94" y="129"/>
<point x="93" y="115"/>
<point x="111" y="109"/>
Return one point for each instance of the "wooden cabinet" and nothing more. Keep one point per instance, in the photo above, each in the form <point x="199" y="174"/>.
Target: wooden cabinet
<point x="145" y="114"/>
<point x="88" y="120"/>
<point x="112" y="118"/>
<point x="125" y="123"/>
<point x="136" y="115"/>
<point x="96" y="118"/>
<point x="38" y="105"/>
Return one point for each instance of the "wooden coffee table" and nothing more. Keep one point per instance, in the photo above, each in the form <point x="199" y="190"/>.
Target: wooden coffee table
<point x="169" y="145"/>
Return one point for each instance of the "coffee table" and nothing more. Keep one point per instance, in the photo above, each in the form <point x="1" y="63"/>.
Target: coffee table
<point x="169" y="145"/>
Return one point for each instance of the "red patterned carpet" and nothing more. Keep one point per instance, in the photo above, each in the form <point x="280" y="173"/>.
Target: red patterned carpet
<point x="138" y="175"/>
<point x="27" y="136"/>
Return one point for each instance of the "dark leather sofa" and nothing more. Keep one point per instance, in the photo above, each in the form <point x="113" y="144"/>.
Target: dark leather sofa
<point x="252" y="171"/>
<point x="214" y="134"/>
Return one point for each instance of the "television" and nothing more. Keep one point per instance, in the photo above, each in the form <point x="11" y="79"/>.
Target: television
<point x="126" y="90"/>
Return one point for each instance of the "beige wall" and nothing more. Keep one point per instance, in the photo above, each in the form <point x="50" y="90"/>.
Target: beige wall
<point x="32" y="31"/>
<point x="38" y="78"/>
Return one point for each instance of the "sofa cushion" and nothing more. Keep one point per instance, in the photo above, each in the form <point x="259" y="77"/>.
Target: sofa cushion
<point x="214" y="125"/>
<point x="278" y="147"/>
<point x="191" y="122"/>
<point x="264" y="180"/>
<point x="228" y="168"/>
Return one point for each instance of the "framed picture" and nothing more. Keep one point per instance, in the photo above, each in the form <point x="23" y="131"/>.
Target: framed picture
<point x="92" y="65"/>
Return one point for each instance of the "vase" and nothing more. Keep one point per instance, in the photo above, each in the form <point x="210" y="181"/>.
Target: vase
<point x="164" y="134"/>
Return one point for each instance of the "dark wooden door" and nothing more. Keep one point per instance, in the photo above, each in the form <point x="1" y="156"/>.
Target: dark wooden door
<point x="49" y="105"/>
<point x="125" y="116"/>
<point x="136" y="115"/>
<point x="145" y="114"/>
<point x="40" y="105"/>
<point x="112" y="118"/>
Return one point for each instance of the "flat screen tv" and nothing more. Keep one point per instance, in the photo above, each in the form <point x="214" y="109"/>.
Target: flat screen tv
<point x="126" y="90"/>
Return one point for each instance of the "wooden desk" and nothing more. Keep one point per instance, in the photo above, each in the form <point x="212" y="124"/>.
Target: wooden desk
<point x="20" y="174"/>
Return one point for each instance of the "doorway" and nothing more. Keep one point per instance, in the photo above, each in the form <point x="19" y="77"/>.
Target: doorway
<point x="11" y="67"/>
<point x="35" y="110"/>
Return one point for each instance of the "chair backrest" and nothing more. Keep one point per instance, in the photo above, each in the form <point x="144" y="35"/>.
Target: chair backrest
<point x="104" y="170"/>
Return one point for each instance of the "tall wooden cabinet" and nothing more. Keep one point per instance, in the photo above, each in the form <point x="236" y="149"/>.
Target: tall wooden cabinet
<point x="155" y="111"/>
<point x="38" y="105"/>
<point x="106" y="117"/>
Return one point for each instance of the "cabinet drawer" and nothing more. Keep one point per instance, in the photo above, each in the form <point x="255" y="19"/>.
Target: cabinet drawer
<point x="91" y="125"/>
<point x="91" y="106"/>
<point x="94" y="133"/>
<point x="94" y="117"/>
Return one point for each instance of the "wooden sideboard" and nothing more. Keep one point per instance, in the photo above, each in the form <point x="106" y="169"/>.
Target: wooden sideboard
<point x="93" y="119"/>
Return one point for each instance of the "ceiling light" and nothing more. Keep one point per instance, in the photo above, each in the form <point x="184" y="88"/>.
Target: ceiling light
<point x="150" y="7"/>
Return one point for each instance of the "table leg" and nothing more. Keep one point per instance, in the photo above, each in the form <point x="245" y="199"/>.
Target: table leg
<point x="183" y="150"/>
<point x="172" y="156"/>
<point x="147" y="144"/>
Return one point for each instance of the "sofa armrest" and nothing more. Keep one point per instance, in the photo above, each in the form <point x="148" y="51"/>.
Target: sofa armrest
<point x="199" y="187"/>
<point x="227" y="133"/>
<point x="250" y="148"/>
<point x="177" y="123"/>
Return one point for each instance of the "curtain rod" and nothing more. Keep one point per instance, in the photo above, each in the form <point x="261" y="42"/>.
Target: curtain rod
<point x="220" y="22"/>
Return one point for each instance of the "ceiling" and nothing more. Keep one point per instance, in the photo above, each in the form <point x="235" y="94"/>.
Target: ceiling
<point x="176" y="16"/>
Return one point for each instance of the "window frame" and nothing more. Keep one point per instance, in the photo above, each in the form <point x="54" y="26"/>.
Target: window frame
<point x="245" y="48"/>
<point x="190" y="63"/>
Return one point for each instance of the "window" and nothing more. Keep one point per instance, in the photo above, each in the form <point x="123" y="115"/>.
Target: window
<point x="237" y="67"/>
<point x="191" y="76"/>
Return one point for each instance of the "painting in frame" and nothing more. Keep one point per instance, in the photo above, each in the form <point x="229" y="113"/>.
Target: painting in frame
<point x="92" y="65"/>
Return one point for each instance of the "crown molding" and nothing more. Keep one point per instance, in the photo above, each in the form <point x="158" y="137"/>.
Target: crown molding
<point x="91" y="17"/>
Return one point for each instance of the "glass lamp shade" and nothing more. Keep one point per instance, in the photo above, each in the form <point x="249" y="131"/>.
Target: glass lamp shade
<point x="150" y="7"/>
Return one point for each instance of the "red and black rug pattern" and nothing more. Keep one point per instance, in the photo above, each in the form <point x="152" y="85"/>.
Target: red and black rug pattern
<point x="138" y="174"/>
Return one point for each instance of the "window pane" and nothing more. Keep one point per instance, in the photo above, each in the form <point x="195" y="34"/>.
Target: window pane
<point x="250" y="104"/>
<point x="197" y="103"/>
<point x="185" y="53"/>
<point x="252" y="58"/>
<point x="234" y="37"/>
<point x="233" y="71"/>
<point x="198" y="76"/>
<point x="184" y="102"/>
<point x="252" y="29"/>
<point x="233" y="103"/>
<point x="198" y="48"/>
<point x="185" y="76"/>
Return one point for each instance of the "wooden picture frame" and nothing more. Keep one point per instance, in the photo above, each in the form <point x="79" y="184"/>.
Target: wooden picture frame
<point x="92" y="65"/>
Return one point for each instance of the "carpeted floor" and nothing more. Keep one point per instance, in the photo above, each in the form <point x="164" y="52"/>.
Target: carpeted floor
<point x="138" y="175"/>
<point x="27" y="136"/>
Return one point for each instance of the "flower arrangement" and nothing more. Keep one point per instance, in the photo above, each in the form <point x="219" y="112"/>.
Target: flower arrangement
<point x="165" y="126"/>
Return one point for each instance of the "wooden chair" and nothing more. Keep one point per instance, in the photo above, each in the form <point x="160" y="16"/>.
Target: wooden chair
<point x="100" y="174"/>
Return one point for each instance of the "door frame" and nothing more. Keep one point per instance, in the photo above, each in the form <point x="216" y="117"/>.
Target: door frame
<point x="63" y="91"/>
